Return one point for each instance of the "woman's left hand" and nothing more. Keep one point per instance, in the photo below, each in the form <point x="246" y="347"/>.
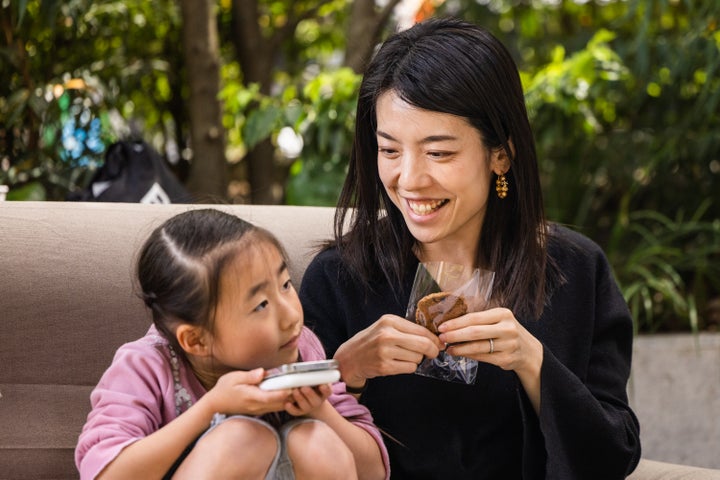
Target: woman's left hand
<point x="495" y="336"/>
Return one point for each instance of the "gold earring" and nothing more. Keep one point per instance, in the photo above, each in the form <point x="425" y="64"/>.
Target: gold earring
<point x="501" y="186"/>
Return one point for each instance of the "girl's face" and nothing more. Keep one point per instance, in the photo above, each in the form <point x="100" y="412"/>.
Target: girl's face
<point x="259" y="316"/>
<point x="437" y="172"/>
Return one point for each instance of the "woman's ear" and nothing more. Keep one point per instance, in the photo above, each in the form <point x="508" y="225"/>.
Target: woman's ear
<point x="500" y="161"/>
<point x="192" y="339"/>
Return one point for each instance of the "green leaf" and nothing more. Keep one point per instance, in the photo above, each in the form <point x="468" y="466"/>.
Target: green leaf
<point x="33" y="191"/>
<point x="260" y="124"/>
<point x="21" y="8"/>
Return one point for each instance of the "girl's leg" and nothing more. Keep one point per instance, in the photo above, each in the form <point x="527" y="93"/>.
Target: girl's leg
<point x="318" y="453"/>
<point x="234" y="447"/>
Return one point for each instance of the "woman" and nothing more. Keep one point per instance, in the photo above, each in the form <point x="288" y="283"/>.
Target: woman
<point x="444" y="169"/>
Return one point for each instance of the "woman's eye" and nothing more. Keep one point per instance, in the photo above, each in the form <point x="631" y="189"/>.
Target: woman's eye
<point x="388" y="152"/>
<point x="438" y="155"/>
<point x="261" y="306"/>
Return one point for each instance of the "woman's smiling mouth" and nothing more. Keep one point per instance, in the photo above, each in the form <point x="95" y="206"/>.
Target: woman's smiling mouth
<point x="425" y="207"/>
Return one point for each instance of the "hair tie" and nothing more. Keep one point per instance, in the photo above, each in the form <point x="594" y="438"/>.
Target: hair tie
<point x="149" y="299"/>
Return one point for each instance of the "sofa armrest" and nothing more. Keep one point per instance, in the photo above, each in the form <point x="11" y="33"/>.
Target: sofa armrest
<point x="654" y="470"/>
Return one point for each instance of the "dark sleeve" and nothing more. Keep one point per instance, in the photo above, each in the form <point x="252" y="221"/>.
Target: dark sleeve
<point x="326" y="311"/>
<point x="590" y="431"/>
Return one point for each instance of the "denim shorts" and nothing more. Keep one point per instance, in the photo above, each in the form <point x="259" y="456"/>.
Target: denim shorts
<point x="281" y="467"/>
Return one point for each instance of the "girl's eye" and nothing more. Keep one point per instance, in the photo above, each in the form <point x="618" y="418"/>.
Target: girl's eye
<point x="288" y="285"/>
<point x="261" y="306"/>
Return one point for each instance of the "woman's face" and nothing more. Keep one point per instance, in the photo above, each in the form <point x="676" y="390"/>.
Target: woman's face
<point x="259" y="316"/>
<point x="437" y="172"/>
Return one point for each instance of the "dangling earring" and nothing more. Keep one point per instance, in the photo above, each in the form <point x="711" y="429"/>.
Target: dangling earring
<point x="501" y="186"/>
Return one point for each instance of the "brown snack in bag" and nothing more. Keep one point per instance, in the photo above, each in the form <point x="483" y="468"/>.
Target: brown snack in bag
<point x="436" y="308"/>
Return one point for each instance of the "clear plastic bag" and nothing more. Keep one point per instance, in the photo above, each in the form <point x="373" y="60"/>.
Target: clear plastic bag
<point x="457" y="290"/>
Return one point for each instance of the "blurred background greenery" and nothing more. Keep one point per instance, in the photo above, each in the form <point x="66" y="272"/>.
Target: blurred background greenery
<point x="623" y="95"/>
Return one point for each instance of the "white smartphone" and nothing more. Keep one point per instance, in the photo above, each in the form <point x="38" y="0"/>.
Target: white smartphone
<point x="301" y="374"/>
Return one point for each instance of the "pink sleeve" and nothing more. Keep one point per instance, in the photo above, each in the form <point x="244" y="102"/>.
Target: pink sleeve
<point x="126" y="406"/>
<point x="346" y="404"/>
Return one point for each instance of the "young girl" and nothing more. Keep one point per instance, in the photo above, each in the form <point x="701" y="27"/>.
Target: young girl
<point x="184" y="401"/>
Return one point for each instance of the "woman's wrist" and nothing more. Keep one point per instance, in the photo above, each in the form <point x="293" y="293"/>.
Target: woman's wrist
<point x="354" y="384"/>
<point x="356" y="390"/>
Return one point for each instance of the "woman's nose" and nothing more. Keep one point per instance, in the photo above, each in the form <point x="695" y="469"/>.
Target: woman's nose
<point x="412" y="173"/>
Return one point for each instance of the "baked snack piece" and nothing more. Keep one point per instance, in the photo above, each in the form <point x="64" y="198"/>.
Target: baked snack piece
<point x="436" y="308"/>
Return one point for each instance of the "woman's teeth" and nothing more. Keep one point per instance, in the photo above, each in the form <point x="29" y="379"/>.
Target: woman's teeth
<point x="426" y="207"/>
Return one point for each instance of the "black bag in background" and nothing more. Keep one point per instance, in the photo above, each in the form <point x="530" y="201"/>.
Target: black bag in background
<point x="134" y="173"/>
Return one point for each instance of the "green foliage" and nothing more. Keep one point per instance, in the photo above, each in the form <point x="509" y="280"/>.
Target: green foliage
<point x="322" y="113"/>
<point x="72" y="72"/>
<point x="666" y="266"/>
<point x="569" y="105"/>
<point x="624" y="97"/>
<point x="261" y="122"/>
<point x="327" y="125"/>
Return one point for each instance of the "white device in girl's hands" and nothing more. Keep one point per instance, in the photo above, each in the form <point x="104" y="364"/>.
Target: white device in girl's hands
<point x="301" y="374"/>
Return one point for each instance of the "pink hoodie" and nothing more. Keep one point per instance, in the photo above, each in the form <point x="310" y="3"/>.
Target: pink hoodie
<point x="147" y="386"/>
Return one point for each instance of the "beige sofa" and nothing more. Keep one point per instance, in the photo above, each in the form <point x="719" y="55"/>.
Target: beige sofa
<point x="66" y="304"/>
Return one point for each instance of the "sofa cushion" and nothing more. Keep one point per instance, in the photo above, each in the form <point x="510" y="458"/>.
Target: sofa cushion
<point x="72" y="303"/>
<point x="67" y="304"/>
<point x="654" y="470"/>
<point x="41" y="424"/>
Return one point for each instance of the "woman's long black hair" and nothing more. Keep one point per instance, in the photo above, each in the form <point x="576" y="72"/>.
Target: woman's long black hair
<point x="454" y="67"/>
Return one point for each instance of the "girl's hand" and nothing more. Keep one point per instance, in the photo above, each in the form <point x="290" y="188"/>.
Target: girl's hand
<point x="512" y="346"/>
<point x="238" y="393"/>
<point x="304" y="401"/>
<point x="390" y="346"/>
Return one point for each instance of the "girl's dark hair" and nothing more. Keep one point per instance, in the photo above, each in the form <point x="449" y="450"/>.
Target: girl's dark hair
<point x="181" y="263"/>
<point x="454" y="67"/>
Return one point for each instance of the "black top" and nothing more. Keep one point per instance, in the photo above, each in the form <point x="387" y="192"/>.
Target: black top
<point x="436" y="429"/>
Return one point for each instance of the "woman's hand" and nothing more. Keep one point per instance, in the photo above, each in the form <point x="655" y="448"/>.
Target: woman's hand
<point x="477" y="334"/>
<point x="390" y="346"/>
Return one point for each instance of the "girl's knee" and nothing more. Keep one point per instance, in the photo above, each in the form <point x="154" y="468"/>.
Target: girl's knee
<point x="318" y="452"/>
<point x="236" y="448"/>
<point x="245" y="434"/>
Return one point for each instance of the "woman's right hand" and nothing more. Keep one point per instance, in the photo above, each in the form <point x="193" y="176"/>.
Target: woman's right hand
<point x="390" y="346"/>
<point x="238" y="393"/>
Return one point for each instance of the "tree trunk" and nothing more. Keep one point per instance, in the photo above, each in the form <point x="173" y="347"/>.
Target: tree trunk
<point x="256" y="56"/>
<point x="208" y="179"/>
<point x="364" y="30"/>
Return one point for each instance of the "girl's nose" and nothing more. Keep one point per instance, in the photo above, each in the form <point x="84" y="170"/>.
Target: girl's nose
<point x="290" y="312"/>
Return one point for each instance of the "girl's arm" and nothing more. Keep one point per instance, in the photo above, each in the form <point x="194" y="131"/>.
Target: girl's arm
<point x="151" y="456"/>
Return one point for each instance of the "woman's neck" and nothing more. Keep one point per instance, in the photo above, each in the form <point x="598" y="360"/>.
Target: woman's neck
<point x="445" y="252"/>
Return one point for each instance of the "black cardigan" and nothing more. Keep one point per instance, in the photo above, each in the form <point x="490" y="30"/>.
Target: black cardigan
<point x="436" y="429"/>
